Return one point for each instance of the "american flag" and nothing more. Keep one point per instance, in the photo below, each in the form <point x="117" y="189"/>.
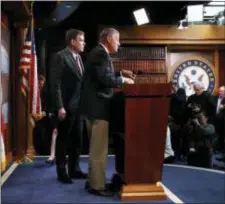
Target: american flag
<point x="29" y="74"/>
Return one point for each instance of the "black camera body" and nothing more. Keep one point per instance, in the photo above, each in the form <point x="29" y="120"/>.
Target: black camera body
<point x="196" y="109"/>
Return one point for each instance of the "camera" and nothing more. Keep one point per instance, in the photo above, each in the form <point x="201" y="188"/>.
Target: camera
<point x="196" y="109"/>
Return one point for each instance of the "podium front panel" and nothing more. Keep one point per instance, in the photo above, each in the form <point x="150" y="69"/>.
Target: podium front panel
<point x="145" y="133"/>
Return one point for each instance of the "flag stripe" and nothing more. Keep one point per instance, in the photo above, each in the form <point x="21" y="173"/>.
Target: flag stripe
<point x="25" y="59"/>
<point x="29" y="73"/>
<point x="26" y="52"/>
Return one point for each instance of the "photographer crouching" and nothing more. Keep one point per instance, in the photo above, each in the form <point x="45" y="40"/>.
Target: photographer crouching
<point x="200" y="139"/>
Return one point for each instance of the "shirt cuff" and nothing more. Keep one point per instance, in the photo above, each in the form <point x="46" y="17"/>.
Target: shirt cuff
<point x="122" y="79"/>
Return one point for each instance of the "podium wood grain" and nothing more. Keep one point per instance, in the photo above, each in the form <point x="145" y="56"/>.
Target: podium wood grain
<point x="147" y="108"/>
<point x="143" y="192"/>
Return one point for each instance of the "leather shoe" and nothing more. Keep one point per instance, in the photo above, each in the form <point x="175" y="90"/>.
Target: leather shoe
<point x="63" y="176"/>
<point x="108" y="186"/>
<point x="104" y="192"/>
<point x="169" y="160"/>
<point x="49" y="161"/>
<point x="78" y="175"/>
<point x="65" y="179"/>
<point x="117" y="183"/>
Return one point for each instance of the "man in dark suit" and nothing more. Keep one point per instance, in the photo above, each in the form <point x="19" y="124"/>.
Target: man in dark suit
<point x="202" y="99"/>
<point x="65" y="84"/>
<point x="220" y="117"/>
<point x="97" y="91"/>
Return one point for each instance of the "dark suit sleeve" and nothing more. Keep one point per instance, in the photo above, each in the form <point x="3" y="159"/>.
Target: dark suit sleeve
<point x="118" y="74"/>
<point x="104" y="73"/>
<point x="55" y="82"/>
<point x="211" y="105"/>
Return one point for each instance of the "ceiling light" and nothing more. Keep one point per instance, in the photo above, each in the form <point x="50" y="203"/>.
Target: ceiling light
<point x="141" y="16"/>
<point x="217" y="3"/>
<point x="213" y="10"/>
<point x="195" y="13"/>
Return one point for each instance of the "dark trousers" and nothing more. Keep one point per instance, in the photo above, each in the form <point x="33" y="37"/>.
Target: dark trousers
<point x="117" y="131"/>
<point x="176" y="138"/>
<point x="220" y="131"/>
<point x="118" y="141"/>
<point x="69" y="140"/>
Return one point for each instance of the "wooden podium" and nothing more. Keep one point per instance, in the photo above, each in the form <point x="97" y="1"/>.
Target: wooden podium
<point x="146" y="117"/>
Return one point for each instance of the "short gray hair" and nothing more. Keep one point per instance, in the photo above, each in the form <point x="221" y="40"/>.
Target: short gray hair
<point x="107" y="32"/>
<point x="199" y="84"/>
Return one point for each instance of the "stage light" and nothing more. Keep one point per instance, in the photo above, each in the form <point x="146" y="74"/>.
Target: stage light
<point x="214" y="8"/>
<point x="141" y="16"/>
<point x="216" y="3"/>
<point x="195" y="13"/>
<point x="183" y="25"/>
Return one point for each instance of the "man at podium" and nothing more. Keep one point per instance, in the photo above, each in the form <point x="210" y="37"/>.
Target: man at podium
<point x="97" y="91"/>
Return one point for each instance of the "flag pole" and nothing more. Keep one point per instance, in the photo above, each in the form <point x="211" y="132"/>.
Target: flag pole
<point x="30" y="153"/>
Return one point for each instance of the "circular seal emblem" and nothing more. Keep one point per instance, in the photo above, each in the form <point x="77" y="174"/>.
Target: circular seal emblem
<point x="191" y="71"/>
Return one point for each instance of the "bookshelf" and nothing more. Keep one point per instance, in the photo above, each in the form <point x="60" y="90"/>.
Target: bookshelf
<point x="148" y="62"/>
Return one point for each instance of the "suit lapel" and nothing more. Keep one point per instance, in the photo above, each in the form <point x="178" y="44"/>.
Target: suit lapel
<point x="72" y="64"/>
<point x="109" y="58"/>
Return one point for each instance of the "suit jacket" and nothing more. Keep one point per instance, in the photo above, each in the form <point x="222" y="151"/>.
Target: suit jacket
<point x="205" y="100"/>
<point x="98" y="83"/>
<point x="65" y="81"/>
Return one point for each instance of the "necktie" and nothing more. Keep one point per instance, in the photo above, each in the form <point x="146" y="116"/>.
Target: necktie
<point x="79" y="64"/>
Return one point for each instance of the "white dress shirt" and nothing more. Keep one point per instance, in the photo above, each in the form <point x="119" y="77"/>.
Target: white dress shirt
<point x="218" y="104"/>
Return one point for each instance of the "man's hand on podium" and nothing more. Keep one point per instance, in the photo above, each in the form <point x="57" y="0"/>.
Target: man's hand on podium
<point x="128" y="74"/>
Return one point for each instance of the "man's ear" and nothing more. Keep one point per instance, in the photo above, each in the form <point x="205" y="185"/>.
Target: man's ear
<point x="72" y="41"/>
<point x="109" y="38"/>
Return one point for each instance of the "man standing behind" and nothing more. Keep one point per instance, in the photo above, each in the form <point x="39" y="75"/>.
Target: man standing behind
<point x="65" y="83"/>
<point x="97" y="90"/>
<point x="220" y="119"/>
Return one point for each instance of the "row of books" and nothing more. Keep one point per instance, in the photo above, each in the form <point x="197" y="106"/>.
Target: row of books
<point x="151" y="79"/>
<point x="140" y="53"/>
<point x="141" y="66"/>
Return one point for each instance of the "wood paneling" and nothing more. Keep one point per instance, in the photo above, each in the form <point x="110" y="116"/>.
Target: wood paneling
<point x="20" y="10"/>
<point x="175" y="58"/>
<point x="222" y="68"/>
<point x="182" y="55"/>
<point x="167" y="34"/>
<point x="19" y="14"/>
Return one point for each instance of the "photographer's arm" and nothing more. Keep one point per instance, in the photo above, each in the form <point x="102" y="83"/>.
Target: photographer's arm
<point x="206" y="130"/>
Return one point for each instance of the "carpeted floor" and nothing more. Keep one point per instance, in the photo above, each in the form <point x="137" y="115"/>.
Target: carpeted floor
<point x="36" y="183"/>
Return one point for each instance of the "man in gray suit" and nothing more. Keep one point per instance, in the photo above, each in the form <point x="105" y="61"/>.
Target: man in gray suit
<point x="65" y="84"/>
<point x="97" y="91"/>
